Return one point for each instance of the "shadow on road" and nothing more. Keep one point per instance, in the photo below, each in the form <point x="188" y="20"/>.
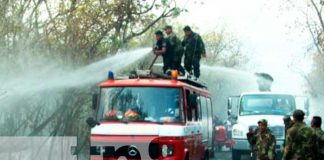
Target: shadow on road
<point x="227" y="155"/>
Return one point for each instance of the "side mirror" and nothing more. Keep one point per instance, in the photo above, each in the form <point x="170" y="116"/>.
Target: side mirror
<point x="94" y="101"/>
<point x="92" y="122"/>
<point x="192" y="100"/>
<point x="306" y="106"/>
<point x="233" y="118"/>
<point x="229" y="103"/>
<point x="229" y="112"/>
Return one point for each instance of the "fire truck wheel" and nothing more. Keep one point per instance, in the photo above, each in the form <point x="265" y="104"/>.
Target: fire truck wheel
<point x="130" y="152"/>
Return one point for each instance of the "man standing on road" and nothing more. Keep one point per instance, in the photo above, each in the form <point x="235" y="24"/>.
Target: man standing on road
<point x="163" y="47"/>
<point x="319" y="137"/>
<point x="300" y="139"/>
<point x="288" y="124"/>
<point x="194" y="49"/>
<point x="176" y="46"/>
<point x="263" y="142"/>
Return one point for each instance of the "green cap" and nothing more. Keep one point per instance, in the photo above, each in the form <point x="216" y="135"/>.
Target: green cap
<point x="167" y="27"/>
<point x="186" y="29"/>
<point x="263" y="121"/>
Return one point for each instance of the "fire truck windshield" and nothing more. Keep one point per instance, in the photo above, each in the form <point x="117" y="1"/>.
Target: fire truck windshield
<point x="140" y="104"/>
<point x="267" y="105"/>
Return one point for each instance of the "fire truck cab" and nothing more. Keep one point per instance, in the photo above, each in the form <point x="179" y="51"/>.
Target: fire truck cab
<point x="152" y="118"/>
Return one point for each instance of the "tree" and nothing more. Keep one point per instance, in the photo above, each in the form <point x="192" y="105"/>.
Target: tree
<point x="223" y="49"/>
<point x="73" y="32"/>
<point x="315" y="25"/>
<point x="312" y="21"/>
<point x="77" y="31"/>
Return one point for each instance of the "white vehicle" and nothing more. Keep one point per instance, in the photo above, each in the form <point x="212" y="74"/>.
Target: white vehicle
<point x="245" y="110"/>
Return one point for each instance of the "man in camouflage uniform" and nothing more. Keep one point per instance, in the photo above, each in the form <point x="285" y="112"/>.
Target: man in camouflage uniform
<point x="319" y="138"/>
<point x="299" y="140"/>
<point x="194" y="49"/>
<point x="288" y="124"/>
<point x="176" y="45"/>
<point x="263" y="142"/>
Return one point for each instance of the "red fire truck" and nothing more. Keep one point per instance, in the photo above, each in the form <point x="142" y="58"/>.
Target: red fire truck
<point x="151" y="117"/>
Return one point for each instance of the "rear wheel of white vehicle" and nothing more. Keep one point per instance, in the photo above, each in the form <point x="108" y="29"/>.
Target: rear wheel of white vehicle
<point x="279" y="155"/>
<point x="236" y="154"/>
<point x="212" y="153"/>
<point x="206" y="156"/>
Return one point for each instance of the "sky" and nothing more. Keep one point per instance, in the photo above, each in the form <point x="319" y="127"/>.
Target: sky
<point x="265" y="28"/>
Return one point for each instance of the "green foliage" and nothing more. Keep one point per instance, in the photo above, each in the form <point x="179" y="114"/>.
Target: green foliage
<point x="223" y="49"/>
<point x="315" y="78"/>
<point x="313" y="22"/>
<point x="176" y="11"/>
<point x="77" y="31"/>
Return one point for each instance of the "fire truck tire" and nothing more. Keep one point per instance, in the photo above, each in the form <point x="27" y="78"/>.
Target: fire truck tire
<point x="212" y="151"/>
<point x="236" y="154"/>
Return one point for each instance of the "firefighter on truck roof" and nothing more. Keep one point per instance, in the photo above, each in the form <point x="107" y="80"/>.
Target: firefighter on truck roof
<point x="194" y="49"/>
<point x="163" y="47"/>
<point x="176" y="46"/>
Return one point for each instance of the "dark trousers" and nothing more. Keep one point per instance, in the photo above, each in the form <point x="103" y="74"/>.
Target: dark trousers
<point x="167" y="63"/>
<point x="177" y="65"/>
<point x="192" y="62"/>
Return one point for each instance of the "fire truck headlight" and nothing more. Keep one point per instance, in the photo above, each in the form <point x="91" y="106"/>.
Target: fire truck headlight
<point x="167" y="150"/>
<point x="119" y="115"/>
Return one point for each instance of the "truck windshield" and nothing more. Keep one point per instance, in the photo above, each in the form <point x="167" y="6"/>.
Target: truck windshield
<point x="140" y="104"/>
<point x="267" y="105"/>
